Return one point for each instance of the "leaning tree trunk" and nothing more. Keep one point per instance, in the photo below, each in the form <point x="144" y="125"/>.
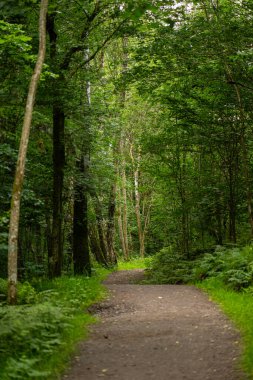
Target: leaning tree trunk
<point x="20" y="169"/>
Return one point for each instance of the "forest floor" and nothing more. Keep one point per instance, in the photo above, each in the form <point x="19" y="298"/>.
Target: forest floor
<point x="162" y="332"/>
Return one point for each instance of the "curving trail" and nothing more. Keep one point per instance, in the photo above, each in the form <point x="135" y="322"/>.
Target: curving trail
<point x="162" y="332"/>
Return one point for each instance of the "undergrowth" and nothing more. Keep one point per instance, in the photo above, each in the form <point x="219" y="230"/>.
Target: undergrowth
<point x="234" y="267"/>
<point x="38" y="336"/>
<point x="168" y="267"/>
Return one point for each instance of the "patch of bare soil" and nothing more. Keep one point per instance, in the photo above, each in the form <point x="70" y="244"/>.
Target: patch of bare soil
<point x="162" y="332"/>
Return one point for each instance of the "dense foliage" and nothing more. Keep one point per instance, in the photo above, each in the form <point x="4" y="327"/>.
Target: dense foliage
<point x="141" y="146"/>
<point x="233" y="267"/>
<point x="141" y="132"/>
<point x="38" y="335"/>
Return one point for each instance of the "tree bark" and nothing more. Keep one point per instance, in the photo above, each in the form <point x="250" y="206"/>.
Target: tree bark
<point x="111" y="226"/>
<point x="20" y="169"/>
<point x="136" y="170"/>
<point x="95" y="247"/>
<point x="124" y="202"/>
<point x="81" y="255"/>
<point x="232" y="207"/>
<point x="120" y="225"/>
<point x="101" y="233"/>
<point x="55" y="266"/>
<point x="184" y="208"/>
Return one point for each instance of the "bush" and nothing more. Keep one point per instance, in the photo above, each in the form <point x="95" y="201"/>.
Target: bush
<point x="3" y="286"/>
<point x="26" y="293"/>
<point x="168" y="267"/>
<point x="234" y="267"/>
<point x="29" y="333"/>
<point x="3" y="290"/>
<point x="37" y="337"/>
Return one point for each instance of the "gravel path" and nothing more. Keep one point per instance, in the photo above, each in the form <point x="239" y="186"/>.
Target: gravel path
<point x="162" y="332"/>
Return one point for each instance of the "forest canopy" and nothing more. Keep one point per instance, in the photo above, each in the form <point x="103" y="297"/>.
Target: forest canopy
<point x="126" y="134"/>
<point x="141" y="133"/>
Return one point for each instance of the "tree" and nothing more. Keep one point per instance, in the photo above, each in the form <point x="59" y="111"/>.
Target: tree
<point x="20" y="169"/>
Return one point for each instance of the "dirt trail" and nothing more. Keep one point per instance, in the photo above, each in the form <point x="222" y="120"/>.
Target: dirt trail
<point x="162" y="332"/>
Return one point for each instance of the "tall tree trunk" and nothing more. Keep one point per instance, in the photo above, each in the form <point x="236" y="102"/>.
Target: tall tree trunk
<point x="48" y="237"/>
<point x="100" y="228"/>
<point x="81" y="256"/>
<point x="20" y="169"/>
<point x="218" y="216"/>
<point x="120" y="225"/>
<point x="184" y="207"/>
<point x="111" y="226"/>
<point x="58" y="176"/>
<point x="136" y="169"/>
<point x="124" y="211"/>
<point x="122" y="189"/>
<point x="232" y="207"/>
<point x="56" y="259"/>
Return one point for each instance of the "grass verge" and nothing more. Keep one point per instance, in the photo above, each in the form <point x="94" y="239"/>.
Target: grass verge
<point x="38" y="339"/>
<point x="239" y="308"/>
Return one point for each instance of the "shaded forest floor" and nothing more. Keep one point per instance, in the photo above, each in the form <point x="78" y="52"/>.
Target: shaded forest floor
<point x="157" y="332"/>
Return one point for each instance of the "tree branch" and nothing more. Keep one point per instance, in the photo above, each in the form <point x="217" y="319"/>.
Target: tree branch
<point x="80" y="47"/>
<point x="93" y="55"/>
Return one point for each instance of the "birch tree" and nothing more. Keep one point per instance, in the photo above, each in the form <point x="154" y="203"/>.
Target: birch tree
<point x="20" y="168"/>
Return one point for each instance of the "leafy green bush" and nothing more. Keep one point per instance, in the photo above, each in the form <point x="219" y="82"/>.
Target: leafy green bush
<point x="237" y="278"/>
<point x="168" y="267"/>
<point x="26" y="293"/>
<point x="3" y="286"/>
<point x="37" y="337"/>
<point x="210" y="265"/>
<point x="234" y="267"/>
<point x="30" y="333"/>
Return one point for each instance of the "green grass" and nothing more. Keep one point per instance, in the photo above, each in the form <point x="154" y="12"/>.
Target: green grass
<point x="239" y="308"/>
<point x="137" y="263"/>
<point x="38" y="339"/>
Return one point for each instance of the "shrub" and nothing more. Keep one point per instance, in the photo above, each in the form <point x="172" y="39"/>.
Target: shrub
<point x="37" y="337"/>
<point x="168" y="267"/>
<point x="26" y="293"/>
<point x="3" y="286"/>
<point x="237" y="278"/>
<point x="234" y="267"/>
